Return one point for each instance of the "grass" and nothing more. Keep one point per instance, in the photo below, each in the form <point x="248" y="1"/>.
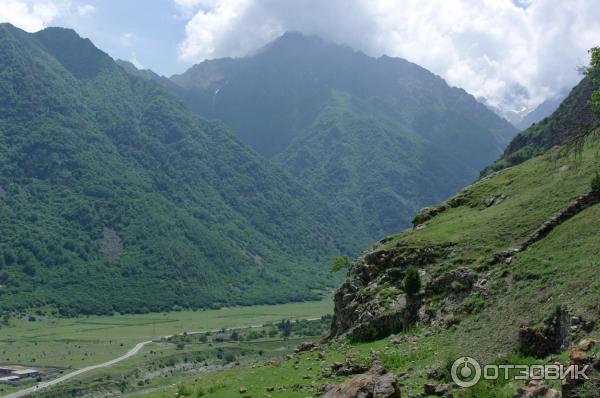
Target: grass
<point x="78" y="342"/>
<point x="559" y="269"/>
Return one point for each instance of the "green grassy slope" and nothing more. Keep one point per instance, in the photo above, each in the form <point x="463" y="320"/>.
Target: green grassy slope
<point x="560" y="269"/>
<point x="114" y="197"/>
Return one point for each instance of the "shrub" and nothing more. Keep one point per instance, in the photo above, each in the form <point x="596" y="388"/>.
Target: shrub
<point x="412" y="281"/>
<point x="596" y="184"/>
<point x="339" y="262"/>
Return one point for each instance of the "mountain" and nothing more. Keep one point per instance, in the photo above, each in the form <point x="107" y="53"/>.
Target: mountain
<point x="378" y="137"/>
<point x="541" y="112"/>
<point x="573" y="117"/>
<point x="114" y="197"/>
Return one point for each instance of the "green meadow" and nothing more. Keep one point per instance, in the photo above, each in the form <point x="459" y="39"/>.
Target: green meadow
<point x="80" y="342"/>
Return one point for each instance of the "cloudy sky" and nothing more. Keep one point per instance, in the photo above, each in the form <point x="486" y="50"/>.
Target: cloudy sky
<point x="514" y="53"/>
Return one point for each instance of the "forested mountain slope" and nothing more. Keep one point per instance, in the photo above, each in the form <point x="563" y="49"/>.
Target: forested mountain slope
<point x="379" y="137"/>
<point x="114" y="197"/>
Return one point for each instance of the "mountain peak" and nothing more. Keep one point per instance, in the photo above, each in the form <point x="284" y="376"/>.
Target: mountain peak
<point x="75" y="53"/>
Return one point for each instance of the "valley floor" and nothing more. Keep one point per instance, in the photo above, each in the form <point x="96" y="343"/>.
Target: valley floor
<point x="77" y="343"/>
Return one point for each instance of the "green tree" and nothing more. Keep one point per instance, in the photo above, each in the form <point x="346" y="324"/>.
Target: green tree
<point x="412" y="281"/>
<point x="596" y="184"/>
<point x="593" y="70"/>
<point x="339" y="262"/>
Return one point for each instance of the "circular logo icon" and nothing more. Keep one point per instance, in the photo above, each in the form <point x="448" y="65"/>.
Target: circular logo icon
<point x="466" y="372"/>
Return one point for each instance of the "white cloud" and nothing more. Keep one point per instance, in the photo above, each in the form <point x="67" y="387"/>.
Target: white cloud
<point x="85" y="9"/>
<point x="28" y="15"/>
<point x="514" y="53"/>
<point x="127" y="39"/>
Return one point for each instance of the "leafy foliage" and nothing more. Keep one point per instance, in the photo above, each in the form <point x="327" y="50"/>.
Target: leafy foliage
<point x="595" y="185"/>
<point x="339" y="263"/>
<point x="115" y="198"/>
<point x="412" y="281"/>
<point x="594" y="70"/>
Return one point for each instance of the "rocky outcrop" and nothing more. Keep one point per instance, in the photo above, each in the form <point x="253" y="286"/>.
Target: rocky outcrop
<point x="306" y="346"/>
<point x="110" y="244"/>
<point x="582" y="357"/>
<point x="554" y="335"/>
<point x="377" y="382"/>
<point x="372" y="303"/>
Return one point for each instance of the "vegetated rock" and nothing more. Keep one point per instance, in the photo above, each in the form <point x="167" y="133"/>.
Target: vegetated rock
<point x="437" y="389"/>
<point x="428" y="213"/>
<point x="306" y="346"/>
<point x="461" y="279"/>
<point x="495" y="200"/>
<point x="551" y="337"/>
<point x="372" y="304"/>
<point x="110" y="244"/>
<point x="375" y="383"/>
<point x="536" y="388"/>
<point x="2" y="192"/>
<point x="581" y="357"/>
<point x="348" y="368"/>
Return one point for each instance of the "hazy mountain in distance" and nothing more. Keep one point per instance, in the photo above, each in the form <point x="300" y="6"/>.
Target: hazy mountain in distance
<point x="379" y="137"/>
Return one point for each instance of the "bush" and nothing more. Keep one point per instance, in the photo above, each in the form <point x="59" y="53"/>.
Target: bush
<point x="588" y="390"/>
<point x="338" y="263"/>
<point x="596" y="184"/>
<point x="412" y="281"/>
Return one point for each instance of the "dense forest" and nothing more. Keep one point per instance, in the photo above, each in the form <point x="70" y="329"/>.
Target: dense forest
<point x="115" y="198"/>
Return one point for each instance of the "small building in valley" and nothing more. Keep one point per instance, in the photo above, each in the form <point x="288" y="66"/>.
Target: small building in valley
<point x="9" y="379"/>
<point x="21" y="374"/>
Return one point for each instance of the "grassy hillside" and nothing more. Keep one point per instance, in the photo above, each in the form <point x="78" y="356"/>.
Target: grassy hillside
<point x="557" y="270"/>
<point x="378" y="137"/>
<point x="493" y="287"/>
<point x="114" y="197"/>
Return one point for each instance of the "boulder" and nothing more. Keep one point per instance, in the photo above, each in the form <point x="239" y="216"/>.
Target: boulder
<point x="375" y="383"/>
<point x="305" y="347"/>
<point x="439" y="390"/>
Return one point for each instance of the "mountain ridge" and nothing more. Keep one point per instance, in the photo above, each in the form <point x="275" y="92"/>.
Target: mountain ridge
<point x="278" y="99"/>
<point x="127" y="202"/>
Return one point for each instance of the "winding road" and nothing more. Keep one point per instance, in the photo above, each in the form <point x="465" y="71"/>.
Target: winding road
<point x="46" y="384"/>
<point x="129" y="354"/>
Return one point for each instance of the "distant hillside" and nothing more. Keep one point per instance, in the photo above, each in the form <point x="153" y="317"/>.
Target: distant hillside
<point x="541" y="112"/>
<point x="114" y="197"/>
<point x="573" y="116"/>
<point x="380" y="138"/>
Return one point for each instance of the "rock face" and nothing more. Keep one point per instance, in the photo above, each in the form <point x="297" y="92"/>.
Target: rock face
<point x="110" y="244"/>
<point x="553" y="336"/>
<point x="581" y="356"/>
<point x="372" y="303"/>
<point x="375" y="383"/>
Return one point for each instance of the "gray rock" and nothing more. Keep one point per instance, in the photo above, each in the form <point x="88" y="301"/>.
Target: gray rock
<point x="375" y="383"/>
